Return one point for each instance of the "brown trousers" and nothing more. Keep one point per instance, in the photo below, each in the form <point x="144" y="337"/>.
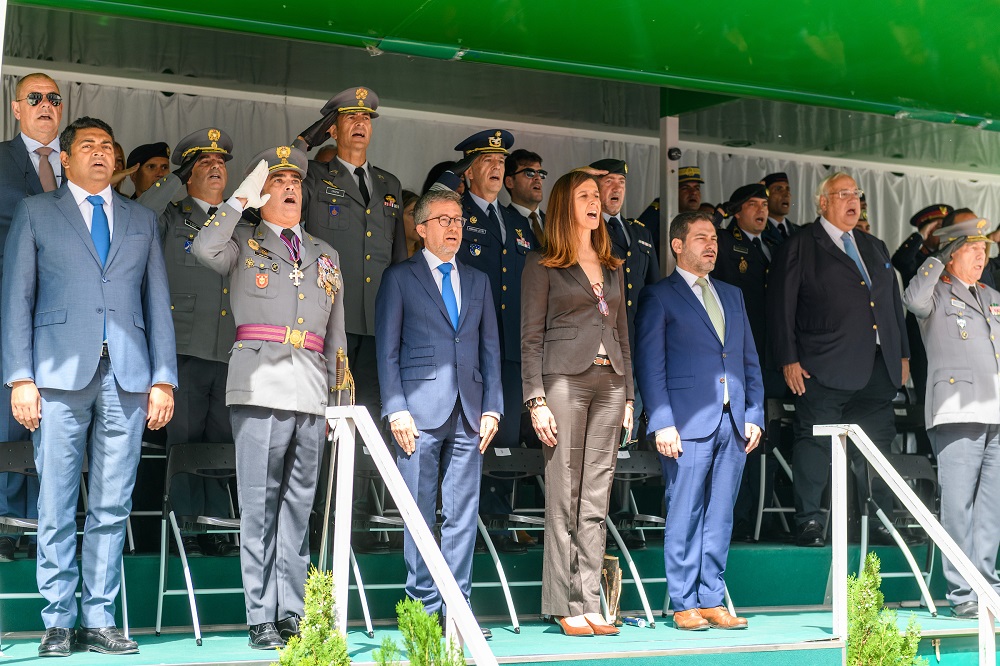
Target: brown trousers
<point x="588" y="409"/>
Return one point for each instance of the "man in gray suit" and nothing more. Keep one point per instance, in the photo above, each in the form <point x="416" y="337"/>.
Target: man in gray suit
<point x="203" y="322"/>
<point x="89" y="352"/>
<point x="25" y="161"/>
<point x="959" y="321"/>
<point x="288" y="304"/>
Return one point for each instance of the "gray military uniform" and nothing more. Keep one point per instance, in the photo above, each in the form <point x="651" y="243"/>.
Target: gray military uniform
<point x="278" y="393"/>
<point x="962" y="335"/>
<point x="205" y="331"/>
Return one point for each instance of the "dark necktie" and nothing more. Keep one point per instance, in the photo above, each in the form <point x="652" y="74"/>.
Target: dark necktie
<point x="491" y="211"/>
<point x="782" y="230"/>
<point x="211" y="210"/>
<point x="362" y="185"/>
<point x="536" y="227"/>
<point x="975" y="294"/>
<point x="616" y="233"/>
<point x="291" y="241"/>
<point x="756" y="244"/>
<point x="45" y="173"/>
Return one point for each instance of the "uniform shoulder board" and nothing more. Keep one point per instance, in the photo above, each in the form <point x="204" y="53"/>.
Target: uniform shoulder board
<point x="175" y="204"/>
<point x="637" y="222"/>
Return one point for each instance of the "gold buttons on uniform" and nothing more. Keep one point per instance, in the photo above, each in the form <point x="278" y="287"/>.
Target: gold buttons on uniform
<point x="862" y="283"/>
<point x="504" y="269"/>
<point x="951" y="380"/>
<point x="225" y="290"/>
<point x="629" y="303"/>
<point x="223" y="213"/>
<point x="368" y="211"/>
<point x="300" y="320"/>
<point x="629" y="253"/>
<point x="368" y="233"/>
<point x="874" y="327"/>
<point x="504" y="287"/>
<point x="301" y="296"/>
<point x="368" y="257"/>
<point x="871" y="303"/>
<point x="503" y="306"/>
<point x="223" y="313"/>
<point x="171" y="307"/>
<point x="629" y="285"/>
<point x="240" y="345"/>
<point x="628" y="270"/>
<point x="505" y="251"/>
<point x="368" y="279"/>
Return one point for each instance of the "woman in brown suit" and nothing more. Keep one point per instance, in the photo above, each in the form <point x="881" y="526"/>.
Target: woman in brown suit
<point x="576" y="373"/>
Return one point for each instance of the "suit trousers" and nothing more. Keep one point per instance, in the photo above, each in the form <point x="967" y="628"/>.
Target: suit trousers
<point x="104" y="423"/>
<point x="200" y="415"/>
<point x="449" y="453"/>
<point x="968" y="456"/>
<point x="701" y="488"/>
<point x="277" y="462"/>
<point x="869" y="407"/>
<point x="588" y="409"/>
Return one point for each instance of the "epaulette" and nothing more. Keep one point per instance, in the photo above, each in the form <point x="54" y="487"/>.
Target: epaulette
<point x="175" y="204"/>
<point x="637" y="222"/>
<point x="945" y="278"/>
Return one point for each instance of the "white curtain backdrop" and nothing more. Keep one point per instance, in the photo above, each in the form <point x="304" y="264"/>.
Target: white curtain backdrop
<point x="408" y="144"/>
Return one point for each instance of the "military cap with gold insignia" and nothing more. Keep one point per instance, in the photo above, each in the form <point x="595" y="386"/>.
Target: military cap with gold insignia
<point x="970" y="231"/>
<point x="353" y="100"/>
<point x="487" y="141"/>
<point x="930" y="214"/>
<point x="207" y="141"/>
<point x="146" y="152"/>
<point x="689" y="174"/>
<point x="280" y="158"/>
<point x="612" y="166"/>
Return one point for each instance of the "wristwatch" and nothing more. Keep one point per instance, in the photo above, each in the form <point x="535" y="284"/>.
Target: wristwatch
<point x="535" y="402"/>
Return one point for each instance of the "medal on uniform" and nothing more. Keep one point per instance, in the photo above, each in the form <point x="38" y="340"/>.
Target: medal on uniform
<point x="249" y="263"/>
<point x="743" y="265"/>
<point x="296" y="275"/>
<point x="521" y="240"/>
<point x="274" y="267"/>
<point x="254" y="245"/>
<point x="475" y="249"/>
<point x="328" y="276"/>
<point x="995" y="309"/>
<point x="262" y="280"/>
<point x="965" y="335"/>
<point x="188" y="244"/>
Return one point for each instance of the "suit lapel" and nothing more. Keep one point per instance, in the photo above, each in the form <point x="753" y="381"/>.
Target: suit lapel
<point x="686" y="293"/>
<point x="418" y="264"/>
<point x="824" y="242"/>
<point x="465" y="277"/>
<point x="67" y="206"/>
<point x="122" y="219"/>
<point x="580" y="275"/>
<point x="869" y="255"/>
<point x="961" y="293"/>
<point x="19" y="153"/>
<point x="729" y="311"/>
<point x="378" y="187"/>
<point x="472" y="210"/>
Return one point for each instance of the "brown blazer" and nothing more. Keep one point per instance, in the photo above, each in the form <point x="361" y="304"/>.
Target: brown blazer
<point x="562" y="329"/>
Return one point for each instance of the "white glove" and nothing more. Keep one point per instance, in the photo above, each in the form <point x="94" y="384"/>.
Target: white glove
<point x="250" y="188"/>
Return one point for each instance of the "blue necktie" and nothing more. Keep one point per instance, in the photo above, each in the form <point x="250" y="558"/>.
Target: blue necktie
<point x="99" y="229"/>
<point x="448" y="294"/>
<point x="852" y="252"/>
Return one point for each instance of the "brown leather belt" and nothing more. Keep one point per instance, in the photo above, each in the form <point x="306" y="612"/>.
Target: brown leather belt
<point x="602" y="360"/>
<point x="286" y="335"/>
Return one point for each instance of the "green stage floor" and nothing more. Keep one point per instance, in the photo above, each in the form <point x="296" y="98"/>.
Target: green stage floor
<point x="774" y="638"/>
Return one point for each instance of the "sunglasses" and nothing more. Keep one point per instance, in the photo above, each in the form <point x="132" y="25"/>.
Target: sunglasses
<point x="531" y="173"/>
<point x="35" y="98"/>
<point x="602" y="304"/>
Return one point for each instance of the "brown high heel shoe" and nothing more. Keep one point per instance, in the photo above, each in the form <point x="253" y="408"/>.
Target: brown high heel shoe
<point x="600" y="626"/>
<point x="575" y="625"/>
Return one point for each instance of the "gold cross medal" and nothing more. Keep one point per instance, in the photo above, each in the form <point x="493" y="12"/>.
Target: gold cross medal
<point x="296" y="275"/>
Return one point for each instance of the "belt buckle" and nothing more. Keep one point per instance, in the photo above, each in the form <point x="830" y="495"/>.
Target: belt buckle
<point x="294" y="337"/>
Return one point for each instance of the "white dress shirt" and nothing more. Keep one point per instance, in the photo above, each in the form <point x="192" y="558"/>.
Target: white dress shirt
<point x="433" y="261"/>
<point x="621" y="224"/>
<point x="297" y="229"/>
<point x="357" y="181"/>
<point x="485" y="205"/>
<point x="87" y="209"/>
<point x="780" y="225"/>
<point x="32" y="145"/>
<point x="526" y="212"/>
<point x="763" y="246"/>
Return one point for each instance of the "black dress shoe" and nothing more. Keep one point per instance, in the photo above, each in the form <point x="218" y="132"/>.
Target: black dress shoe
<point x="106" y="640"/>
<point x="265" y="636"/>
<point x="217" y="545"/>
<point x="289" y="627"/>
<point x="810" y="535"/>
<point x="7" y="548"/>
<point x="880" y="536"/>
<point x="57" y="642"/>
<point x="967" y="610"/>
<point x="508" y="545"/>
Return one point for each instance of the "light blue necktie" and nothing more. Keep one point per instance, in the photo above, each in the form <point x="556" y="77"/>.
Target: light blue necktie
<point x="448" y="294"/>
<point x="100" y="231"/>
<point x="852" y="252"/>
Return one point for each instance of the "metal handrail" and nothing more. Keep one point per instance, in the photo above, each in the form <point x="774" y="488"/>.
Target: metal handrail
<point x="989" y="600"/>
<point x="344" y="423"/>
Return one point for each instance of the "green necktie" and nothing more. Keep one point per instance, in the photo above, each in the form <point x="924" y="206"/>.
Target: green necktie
<point x="712" y="307"/>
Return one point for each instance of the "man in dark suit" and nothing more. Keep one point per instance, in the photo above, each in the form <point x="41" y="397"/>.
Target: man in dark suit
<point x="26" y="161"/>
<point x="495" y="241"/>
<point x="779" y="201"/>
<point x="89" y="352"/>
<point x="523" y="178"/>
<point x="699" y="374"/>
<point x="835" y="320"/>
<point x="439" y="372"/>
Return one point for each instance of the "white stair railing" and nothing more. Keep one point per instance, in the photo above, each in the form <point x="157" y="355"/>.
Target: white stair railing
<point x="989" y="600"/>
<point x="345" y="422"/>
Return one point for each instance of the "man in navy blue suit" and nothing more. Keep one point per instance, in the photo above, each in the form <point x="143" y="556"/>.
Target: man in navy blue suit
<point x="699" y="375"/>
<point x="26" y="161"/>
<point x="439" y="373"/>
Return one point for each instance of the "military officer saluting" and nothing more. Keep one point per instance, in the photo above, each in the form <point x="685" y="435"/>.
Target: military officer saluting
<point x="356" y="207"/>
<point x="959" y="320"/>
<point x="288" y="302"/>
<point x="495" y="241"/>
<point x="203" y="321"/>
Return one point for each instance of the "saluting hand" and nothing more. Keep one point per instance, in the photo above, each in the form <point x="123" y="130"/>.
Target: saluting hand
<point x="26" y="404"/>
<point x="795" y="376"/>
<point x="752" y="432"/>
<point x="544" y="424"/>
<point x="161" y="406"/>
<point x="668" y="442"/>
<point x="488" y="426"/>
<point x="406" y="433"/>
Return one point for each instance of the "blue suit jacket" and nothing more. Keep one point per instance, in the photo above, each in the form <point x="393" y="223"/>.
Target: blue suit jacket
<point x="18" y="179"/>
<point x="681" y="362"/>
<point x="424" y="364"/>
<point x="56" y="295"/>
